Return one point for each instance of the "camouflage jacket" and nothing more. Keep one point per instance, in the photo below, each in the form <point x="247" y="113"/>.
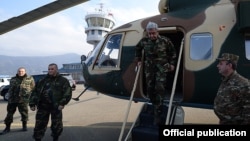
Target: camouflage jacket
<point x="232" y="103"/>
<point x="51" y="89"/>
<point x="160" y="53"/>
<point x="20" y="89"/>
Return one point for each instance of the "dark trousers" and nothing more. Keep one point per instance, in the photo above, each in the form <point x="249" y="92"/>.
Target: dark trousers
<point x="42" y="119"/>
<point x="11" y="109"/>
<point x="156" y="86"/>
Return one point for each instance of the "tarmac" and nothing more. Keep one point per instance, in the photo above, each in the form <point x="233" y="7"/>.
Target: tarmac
<point x="94" y="117"/>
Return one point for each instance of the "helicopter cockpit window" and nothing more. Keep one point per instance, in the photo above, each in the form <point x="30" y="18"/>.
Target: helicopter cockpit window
<point x="94" y="53"/>
<point x="201" y="45"/>
<point x="110" y="53"/>
<point x="247" y="46"/>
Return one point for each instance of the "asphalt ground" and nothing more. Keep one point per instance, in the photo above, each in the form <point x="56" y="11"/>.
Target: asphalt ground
<point x="95" y="117"/>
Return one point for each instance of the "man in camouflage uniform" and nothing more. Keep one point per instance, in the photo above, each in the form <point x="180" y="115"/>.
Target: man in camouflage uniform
<point x="50" y="96"/>
<point x="20" y="89"/>
<point x="159" y="59"/>
<point x="232" y="103"/>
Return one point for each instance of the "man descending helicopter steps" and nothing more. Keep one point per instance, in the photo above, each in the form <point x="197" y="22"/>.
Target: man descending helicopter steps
<point x="159" y="59"/>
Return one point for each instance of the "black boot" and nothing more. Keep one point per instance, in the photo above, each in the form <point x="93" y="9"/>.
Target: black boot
<point x="55" y="138"/>
<point x="157" y="115"/>
<point x="25" y="126"/>
<point x="157" y="119"/>
<point x="6" y="130"/>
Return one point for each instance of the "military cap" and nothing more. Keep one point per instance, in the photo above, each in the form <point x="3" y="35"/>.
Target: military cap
<point x="229" y="57"/>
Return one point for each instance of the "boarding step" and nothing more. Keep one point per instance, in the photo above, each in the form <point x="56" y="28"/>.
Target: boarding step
<point x="145" y="129"/>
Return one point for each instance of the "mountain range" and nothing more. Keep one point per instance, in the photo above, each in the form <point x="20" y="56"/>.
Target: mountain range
<point x="34" y="64"/>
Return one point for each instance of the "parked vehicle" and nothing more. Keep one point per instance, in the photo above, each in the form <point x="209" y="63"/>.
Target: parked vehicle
<point x="4" y="90"/>
<point x="71" y="80"/>
<point x="4" y="81"/>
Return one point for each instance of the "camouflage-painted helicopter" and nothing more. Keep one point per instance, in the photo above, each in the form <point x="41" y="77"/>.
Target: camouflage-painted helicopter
<point x="200" y="30"/>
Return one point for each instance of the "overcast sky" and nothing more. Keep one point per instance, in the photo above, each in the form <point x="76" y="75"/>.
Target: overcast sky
<point x="63" y="32"/>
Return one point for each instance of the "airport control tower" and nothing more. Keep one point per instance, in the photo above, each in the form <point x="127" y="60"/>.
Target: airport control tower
<point x="99" y="23"/>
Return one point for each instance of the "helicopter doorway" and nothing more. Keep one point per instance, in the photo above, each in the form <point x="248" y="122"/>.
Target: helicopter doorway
<point x="176" y="37"/>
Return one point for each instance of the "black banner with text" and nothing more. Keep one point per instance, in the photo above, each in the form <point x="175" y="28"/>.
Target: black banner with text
<point x="203" y="131"/>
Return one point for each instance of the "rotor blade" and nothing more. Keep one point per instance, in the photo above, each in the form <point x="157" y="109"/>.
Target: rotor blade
<point x="37" y="14"/>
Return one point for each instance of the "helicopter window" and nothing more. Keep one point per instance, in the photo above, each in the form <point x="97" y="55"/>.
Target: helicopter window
<point x="109" y="55"/>
<point x="201" y="46"/>
<point x="94" y="53"/>
<point x="247" y="46"/>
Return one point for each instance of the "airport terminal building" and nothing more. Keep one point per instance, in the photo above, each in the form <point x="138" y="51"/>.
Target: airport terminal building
<point x="75" y="69"/>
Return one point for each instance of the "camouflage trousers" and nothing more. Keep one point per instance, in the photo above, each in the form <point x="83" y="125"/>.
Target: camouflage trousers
<point x="11" y="109"/>
<point x="42" y="118"/>
<point x="156" y="86"/>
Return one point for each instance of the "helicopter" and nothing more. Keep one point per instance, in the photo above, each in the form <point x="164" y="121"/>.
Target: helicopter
<point x="200" y="31"/>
